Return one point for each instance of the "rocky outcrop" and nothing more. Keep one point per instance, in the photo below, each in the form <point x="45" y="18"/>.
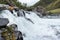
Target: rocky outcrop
<point x="40" y="10"/>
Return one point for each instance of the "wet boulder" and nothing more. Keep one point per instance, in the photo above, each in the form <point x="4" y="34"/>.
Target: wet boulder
<point x="3" y="22"/>
<point x="21" y="13"/>
<point x="14" y="27"/>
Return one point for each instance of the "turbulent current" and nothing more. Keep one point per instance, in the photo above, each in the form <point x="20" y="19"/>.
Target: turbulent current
<point x="33" y="27"/>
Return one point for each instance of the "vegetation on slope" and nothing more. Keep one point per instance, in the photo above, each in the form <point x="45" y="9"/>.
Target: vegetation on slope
<point x="50" y="5"/>
<point x="13" y="2"/>
<point x="47" y="4"/>
<point x="55" y="11"/>
<point x="54" y="5"/>
<point x="43" y="3"/>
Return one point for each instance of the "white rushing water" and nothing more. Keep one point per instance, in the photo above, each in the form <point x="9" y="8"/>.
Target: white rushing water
<point x="40" y="29"/>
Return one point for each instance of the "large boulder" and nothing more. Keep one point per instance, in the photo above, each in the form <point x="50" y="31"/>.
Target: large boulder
<point x="14" y="27"/>
<point x="3" y="22"/>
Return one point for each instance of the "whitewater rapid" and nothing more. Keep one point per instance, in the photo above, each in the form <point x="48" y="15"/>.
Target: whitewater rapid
<point x="42" y="29"/>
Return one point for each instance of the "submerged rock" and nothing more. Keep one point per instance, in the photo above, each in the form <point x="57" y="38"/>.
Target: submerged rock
<point x="29" y="20"/>
<point x="21" y="13"/>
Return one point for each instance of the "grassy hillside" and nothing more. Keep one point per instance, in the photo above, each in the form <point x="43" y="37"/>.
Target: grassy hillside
<point x="55" y="11"/>
<point x="50" y="5"/>
<point x="53" y="5"/>
<point x="43" y="3"/>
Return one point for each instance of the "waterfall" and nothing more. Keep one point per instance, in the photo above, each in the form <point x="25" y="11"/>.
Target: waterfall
<point x="40" y="29"/>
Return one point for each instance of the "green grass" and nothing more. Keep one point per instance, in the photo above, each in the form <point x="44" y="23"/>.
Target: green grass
<point x="55" y="11"/>
<point x="53" y="5"/>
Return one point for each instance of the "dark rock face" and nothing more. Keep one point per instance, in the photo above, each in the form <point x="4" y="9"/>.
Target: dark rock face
<point x="3" y="22"/>
<point x="40" y="10"/>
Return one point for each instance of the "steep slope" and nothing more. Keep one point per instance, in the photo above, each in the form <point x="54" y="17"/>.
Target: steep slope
<point x="13" y="2"/>
<point x="54" y="5"/>
<point x="44" y="3"/>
